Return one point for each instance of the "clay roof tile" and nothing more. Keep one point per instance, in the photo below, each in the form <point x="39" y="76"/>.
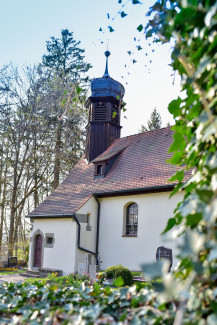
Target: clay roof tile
<point x="141" y="163"/>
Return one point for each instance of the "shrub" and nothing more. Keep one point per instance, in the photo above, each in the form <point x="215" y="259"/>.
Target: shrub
<point x="116" y="271"/>
<point x="110" y="271"/>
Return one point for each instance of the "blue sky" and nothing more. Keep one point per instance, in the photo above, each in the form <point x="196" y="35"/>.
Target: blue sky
<point x="26" y="25"/>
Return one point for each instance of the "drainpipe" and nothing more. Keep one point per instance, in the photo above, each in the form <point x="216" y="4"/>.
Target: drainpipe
<point x="79" y="229"/>
<point x="97" y="231"/>
<point x="79" y="236"/>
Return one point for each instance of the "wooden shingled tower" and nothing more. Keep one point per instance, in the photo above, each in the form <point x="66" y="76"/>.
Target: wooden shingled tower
<point x="104" y="114"/>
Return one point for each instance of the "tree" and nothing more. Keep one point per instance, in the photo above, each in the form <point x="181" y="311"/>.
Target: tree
<point x="66" y="58"/>
<point x="41" y="131"/>
<point x="67" y="77"/>
<point x="154" y="123"/>
<point x="19" y="125"/>
<point x="30" y="138"/>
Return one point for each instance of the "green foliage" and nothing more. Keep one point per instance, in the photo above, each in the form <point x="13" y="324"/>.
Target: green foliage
<point x="110" y="271"/>
<point x="192" y="27"/>
<point x="74" y="303"/>
<point x="119" y="271"/>
<point x="140" y="28"/>
<point x="123" y="14"/>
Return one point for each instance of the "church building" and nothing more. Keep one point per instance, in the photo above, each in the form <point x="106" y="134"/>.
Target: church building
<point x="115" y="202"/>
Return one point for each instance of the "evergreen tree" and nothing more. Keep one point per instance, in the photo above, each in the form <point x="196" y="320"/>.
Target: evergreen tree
<point x="154" y="123"/>
<point x="65" y="57"/>
<point x="67" y="85"/>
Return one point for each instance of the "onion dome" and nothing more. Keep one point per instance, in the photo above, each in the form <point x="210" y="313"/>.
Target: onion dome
<point x="106" y="86"/>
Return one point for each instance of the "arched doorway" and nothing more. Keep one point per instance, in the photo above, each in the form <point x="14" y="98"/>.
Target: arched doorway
<point x="38" y="251"/>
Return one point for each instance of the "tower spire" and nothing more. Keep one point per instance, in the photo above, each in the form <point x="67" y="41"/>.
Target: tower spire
<point x="104" y="116"/>
<point x="106" y="74"/>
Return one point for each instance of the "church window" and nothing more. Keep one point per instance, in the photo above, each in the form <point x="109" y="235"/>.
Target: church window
<point x="49" y="240"/>
<point x="99" y="170"/>
<point x="132" y="220"/>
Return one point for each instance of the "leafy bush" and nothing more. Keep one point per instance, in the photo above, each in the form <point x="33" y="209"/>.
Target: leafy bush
<point x="116" y="271"/>
<point x="110" y="271"/>
<point x="40" y="303"/>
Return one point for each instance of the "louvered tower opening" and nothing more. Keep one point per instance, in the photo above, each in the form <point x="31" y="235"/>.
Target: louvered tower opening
<point x="115" y="114"/>
<point x="100" y="112"/>
<point x="89" y="114"/>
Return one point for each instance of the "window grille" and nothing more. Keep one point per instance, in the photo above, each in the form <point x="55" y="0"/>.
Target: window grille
<point x="132" y="219"/>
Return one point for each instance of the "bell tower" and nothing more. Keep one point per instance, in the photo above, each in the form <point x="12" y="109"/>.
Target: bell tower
<point x="103" y="114"/>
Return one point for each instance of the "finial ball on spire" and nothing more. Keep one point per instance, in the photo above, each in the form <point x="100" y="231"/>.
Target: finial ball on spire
<point x="107" y="54"/>
<point x="106" y="74"/>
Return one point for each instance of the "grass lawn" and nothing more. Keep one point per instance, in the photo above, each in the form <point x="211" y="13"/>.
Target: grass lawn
<point x="33" y="280"/>
<point x="12" y="272"/>
<point x="137" y="273"/>
<point x="62" y="279"/>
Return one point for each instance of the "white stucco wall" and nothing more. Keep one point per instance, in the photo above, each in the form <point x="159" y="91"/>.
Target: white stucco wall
<point x="114" y="248"/>
<point x="153" y="212"/>
<point x="62" y="255"/>
<point x="88" y="238"/>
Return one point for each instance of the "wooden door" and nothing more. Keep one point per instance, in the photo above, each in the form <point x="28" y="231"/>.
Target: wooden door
<point x="38" y="251"/>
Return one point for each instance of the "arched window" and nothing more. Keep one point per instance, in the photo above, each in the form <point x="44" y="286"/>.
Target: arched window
<point x="132" y="219"/>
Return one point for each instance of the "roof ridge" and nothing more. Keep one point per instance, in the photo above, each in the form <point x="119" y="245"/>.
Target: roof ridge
<point x="133" y="135"/>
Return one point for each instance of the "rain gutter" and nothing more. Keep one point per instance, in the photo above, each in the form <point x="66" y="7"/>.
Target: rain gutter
<point x="143" y="190"/>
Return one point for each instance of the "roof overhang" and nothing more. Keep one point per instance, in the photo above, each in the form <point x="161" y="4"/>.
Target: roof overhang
<point x="43" y="216"/>
<point x="133" y="191"/>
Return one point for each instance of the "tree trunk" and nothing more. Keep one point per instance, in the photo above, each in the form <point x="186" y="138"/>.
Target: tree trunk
<point x="57" y="157"/>
<point x="13" y="212"/>
<point x="1" y="199"/>
<point x="36" y="198"/>
<point x="3" y="208"/>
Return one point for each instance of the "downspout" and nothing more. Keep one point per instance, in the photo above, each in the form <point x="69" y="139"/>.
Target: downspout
<point x="97" y="230"/>
<point x="79" y="229"/>
<point x="79" y="236"/>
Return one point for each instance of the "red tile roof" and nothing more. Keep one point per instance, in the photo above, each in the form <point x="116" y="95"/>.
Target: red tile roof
<point x="141" y="163"/>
